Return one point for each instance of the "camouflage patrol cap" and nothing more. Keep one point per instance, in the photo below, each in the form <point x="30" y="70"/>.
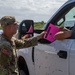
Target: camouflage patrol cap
<point x="7" y="20"/>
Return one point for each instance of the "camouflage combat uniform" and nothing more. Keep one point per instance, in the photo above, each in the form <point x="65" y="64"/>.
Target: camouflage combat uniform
<point x="7" y="57"/>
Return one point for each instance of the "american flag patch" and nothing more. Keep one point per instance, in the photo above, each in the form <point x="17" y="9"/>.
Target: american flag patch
<point x="4" y="51"/>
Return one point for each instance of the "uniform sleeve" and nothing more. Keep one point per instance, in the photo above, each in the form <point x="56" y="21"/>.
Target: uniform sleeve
<point x="24" y="43"/>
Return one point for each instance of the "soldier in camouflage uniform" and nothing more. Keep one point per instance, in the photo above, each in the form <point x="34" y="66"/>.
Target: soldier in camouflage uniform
<point x="8" y="44"/>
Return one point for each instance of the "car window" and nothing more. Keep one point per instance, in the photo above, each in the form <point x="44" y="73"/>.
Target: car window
<point x="68" y="19"/>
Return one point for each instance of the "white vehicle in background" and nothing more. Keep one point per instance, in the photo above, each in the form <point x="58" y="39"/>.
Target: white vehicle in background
<point x="49" y="58"/>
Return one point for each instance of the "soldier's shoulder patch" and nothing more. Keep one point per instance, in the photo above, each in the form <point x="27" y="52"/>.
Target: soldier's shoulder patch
<point x="5" y="51"/>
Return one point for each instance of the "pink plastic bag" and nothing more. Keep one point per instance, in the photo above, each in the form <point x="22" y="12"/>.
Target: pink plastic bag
<point x="51" y="31"/>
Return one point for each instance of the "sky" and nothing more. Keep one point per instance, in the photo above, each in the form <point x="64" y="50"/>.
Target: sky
<point x="37" y="10"/>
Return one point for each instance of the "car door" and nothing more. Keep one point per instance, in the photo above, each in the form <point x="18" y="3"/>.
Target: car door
<point x="72" y="59"/>
<point x="54" y="58"/>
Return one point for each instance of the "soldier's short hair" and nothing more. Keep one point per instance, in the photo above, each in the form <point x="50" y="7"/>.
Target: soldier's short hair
<point x="7" y="20"/>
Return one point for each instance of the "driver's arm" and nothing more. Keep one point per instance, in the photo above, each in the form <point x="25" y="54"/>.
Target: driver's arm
<point x="61" y="35"/>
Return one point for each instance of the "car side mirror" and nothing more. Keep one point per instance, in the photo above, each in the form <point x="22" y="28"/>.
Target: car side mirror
<point x="26" y="27"/>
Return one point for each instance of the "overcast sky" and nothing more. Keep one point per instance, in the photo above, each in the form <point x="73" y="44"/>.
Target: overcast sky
<point x="37" y="10"/>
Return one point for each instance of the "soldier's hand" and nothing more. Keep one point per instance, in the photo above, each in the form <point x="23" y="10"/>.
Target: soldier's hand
<point x="41" y="35"/>
<point x="26" y="36"/>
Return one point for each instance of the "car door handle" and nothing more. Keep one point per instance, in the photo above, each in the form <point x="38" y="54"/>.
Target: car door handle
<point x="62" y="54"/>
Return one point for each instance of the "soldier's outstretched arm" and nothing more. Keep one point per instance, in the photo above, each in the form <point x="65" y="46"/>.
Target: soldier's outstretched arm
<point x="33" y="41"/>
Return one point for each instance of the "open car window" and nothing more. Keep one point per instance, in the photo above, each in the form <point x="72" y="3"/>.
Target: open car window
<point x="68" y="19"/>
